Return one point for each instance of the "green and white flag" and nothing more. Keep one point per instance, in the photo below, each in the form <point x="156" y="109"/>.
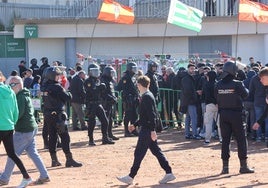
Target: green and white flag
<point x="185" y="16"/>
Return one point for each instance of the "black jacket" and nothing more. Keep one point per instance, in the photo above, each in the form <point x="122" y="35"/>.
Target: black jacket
<point x="77" y="90"/>
<point x="188" y="91"/>
<point x="154" y="88"/>
<point x="209" y="88"/>
<point x="127" y="85"/>
<point x="230" y="94"/>
<point x="56" y="96"/>
<point x="147" y="112"/>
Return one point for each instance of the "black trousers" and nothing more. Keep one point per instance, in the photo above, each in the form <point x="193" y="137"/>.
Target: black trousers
<point x="97" y="110"/>
<point x="7" y="138"/>
<point x="145" y="142"/>
<point x="231" y="123"/>
<point x="53" y="135"/>
<point x="131" y="114"/>
<point x="109" y="114"/>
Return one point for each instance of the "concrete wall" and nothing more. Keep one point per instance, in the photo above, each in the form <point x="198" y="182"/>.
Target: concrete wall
<point x="51" y="48"/>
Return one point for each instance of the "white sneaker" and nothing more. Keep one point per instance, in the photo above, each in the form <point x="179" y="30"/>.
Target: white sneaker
<point x="126" y="179"/>
<point x="25" y="182"/>
<point x="167" y="178"/>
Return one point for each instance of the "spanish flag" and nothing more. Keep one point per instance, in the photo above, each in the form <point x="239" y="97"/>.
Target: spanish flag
<point x="112" y="11"/>
<point x="253" y="11"/>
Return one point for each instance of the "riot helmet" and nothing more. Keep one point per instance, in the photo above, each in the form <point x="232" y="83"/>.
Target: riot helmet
<point x="152" y="64"/>
<point x="109" y="72"/>
<point x="132" y="67"/>
<point x="94" y="70"/>
<point x="33" y="61"/>
<point x="50" y="73"/>
<point x="229" y="68"/>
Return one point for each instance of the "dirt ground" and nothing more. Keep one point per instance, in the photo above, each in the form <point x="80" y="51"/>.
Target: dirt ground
<point x="194" y="164"/>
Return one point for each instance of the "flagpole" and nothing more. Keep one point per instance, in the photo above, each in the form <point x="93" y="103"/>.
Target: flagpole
<point x="91" y="38"/>
<point x="236" y="38"/>
<point x="164" y="38"/>
<point x="256" y="27"/>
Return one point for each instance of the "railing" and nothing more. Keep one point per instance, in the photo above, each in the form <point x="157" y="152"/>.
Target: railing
<point x="168" y="106"/>
<point x="90" y="9"/>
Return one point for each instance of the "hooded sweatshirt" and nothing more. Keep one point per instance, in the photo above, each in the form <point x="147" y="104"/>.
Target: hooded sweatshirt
<point x="26" y="122"/>
<point x="8" y="108"/>
<point x="209" y="88"/>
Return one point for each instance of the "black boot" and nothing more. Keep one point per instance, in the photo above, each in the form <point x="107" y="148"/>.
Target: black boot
<point x="110" y="133"/>
<point x="127" y="133"/>
<point x="91" y="141"/>
<point x="45" y="144"/>
<point x="106" y="140"/>
<point x="54" y="160"/>
<point x="113" y="137"/>
<point x="244" y="169"/>
<point x="225" y="167"/>
<point x="70" y="162"/>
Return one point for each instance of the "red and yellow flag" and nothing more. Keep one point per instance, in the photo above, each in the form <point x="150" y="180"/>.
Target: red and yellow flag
<point x="112" y="11"/>
<point x="253" y="11"/>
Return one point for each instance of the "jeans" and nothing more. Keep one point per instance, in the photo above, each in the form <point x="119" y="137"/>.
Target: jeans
<point x="25" y="142"/>
<point x="249" y="107"/>
<point x="191" y="118"/>
<point x="258" y="112"/>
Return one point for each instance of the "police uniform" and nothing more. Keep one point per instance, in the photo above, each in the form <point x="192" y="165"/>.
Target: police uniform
<point x="109" y="98"/>
<point x="154" y="87"/>
<point x="54" y="98"/>
<point x="230" y="94"/>
<point x="128" y="86"/>
<point x="95" y="94"/>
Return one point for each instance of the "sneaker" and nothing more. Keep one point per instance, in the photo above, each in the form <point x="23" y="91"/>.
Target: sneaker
<point x="206" y="143"/>
<point x="2" y="182"/>
<point x="126" y="179"/>
<point x="167" y="178"/>
<point x="41" y="181"/>
<point x="25" y="182"/>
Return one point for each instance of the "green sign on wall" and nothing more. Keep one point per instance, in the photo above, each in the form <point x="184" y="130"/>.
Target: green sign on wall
<point x="10" y="47"/>
<point x="30" y="31"/>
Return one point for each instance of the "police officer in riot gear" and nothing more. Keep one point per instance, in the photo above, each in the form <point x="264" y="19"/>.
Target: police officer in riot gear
<point x="229" y="94"/>
<point x="34" y="67"/>
<point x="110" y="99"/>
<point x="151" y="73"/>
<point x="95" y="94"/>
<point x="54" y="98"/>
<point x="128" y="86"/>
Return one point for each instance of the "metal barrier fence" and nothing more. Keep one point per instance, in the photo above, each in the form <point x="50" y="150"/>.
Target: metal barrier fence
<point x="168" y="106"/>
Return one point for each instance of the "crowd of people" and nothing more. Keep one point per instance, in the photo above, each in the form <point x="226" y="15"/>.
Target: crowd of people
<point x="204" y="96"/>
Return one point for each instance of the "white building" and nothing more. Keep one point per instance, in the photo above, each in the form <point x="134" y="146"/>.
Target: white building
<point x="60" y="39"/>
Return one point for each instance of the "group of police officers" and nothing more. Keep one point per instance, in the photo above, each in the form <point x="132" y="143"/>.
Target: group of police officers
<point x="100" y="98"/>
